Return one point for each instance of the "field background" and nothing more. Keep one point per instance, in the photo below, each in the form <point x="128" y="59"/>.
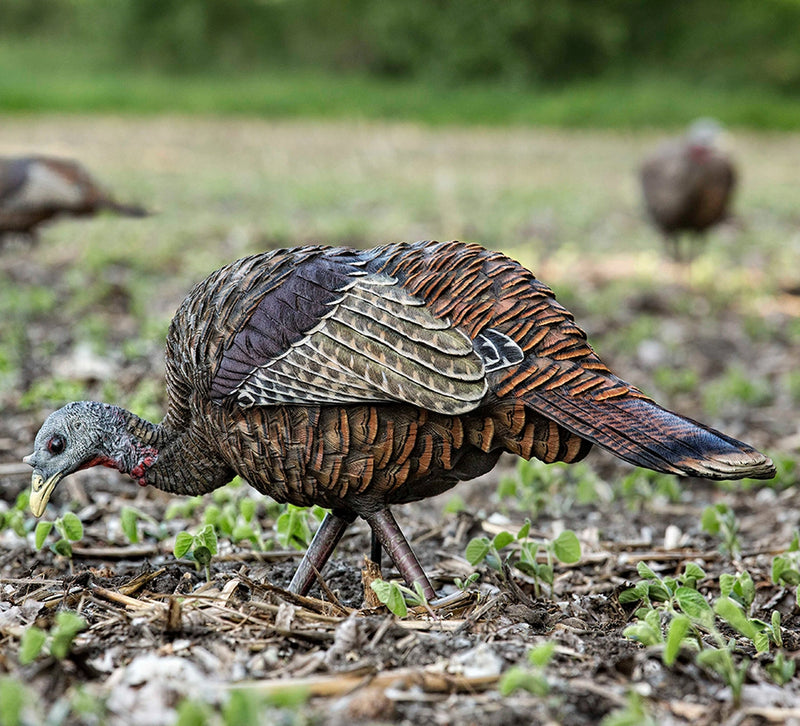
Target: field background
<point x="717" y="339"/>
<point x="358" y="130"/>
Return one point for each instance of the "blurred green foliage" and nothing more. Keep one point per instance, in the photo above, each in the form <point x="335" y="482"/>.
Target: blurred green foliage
<point x="527" y="41"/>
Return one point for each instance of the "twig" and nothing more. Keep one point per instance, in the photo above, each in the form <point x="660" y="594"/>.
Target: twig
<point x="329" y="594"/>
<point x="138" y="582"/>
<point x="488" y="605"/>
<point x="337" y="685"/>
<point x="128" y="602"/>
<point x="383" y="628"/>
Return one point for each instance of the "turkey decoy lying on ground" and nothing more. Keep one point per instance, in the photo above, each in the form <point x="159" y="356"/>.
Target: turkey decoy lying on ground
<point x="34" y="189"/>
<point x="361" y="379"/>
<point x="688" y="183"/>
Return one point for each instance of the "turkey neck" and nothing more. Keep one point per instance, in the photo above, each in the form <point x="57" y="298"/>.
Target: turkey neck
<point x="171" y="458"/>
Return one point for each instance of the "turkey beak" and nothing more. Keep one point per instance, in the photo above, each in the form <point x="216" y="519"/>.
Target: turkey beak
<point x="41" y="489"/>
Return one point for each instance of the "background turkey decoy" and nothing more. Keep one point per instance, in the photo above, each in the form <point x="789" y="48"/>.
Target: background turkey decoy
<point x="361" y="379"/>
<point x="688" y="183"/>
<point x="34" y="189"/>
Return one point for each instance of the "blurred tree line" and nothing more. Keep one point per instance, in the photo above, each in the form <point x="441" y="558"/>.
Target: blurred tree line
<point x="723" y="42"/>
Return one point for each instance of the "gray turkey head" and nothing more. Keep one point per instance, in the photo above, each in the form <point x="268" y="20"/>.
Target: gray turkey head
<point x="79" y="435"/>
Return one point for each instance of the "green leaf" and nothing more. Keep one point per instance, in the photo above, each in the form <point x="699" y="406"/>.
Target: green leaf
<point x="524" y="530"/>
<point x="779" y="564"/>
<point x="566" y="547"/>
<point x="745" y="588"/>
<point x="545" y="573"/>
<point x="790" y="577"/>
<point x="73" y="529"/>
<point x="528" y="551"/>
<point x="211" y="514"/>
<point x="658" y="592"/>
<point x="634" y="594"/>
<point x="732" y="614"/>
<point x="529" y="568"/>
<point x="225" y="522"/>
<point x="694" y="571"/>
<point x="247" y="508"/>
<point x="693" y="604"/>
<point x="208" y="537"/>
<point x="290" y="697"/>
<point x="42" y="530"/>
<point x="645" y="572"/>
<point x="13" y="697"/>
<point x="193" y="713"/>
<point x="781" y="670"/>
<point x="62" y="547"/>
<point x="643" y="633"/>
<point x="389" y="594"/>
<point x="16" y="522"/>
<point x="183" y="543"/>
<point x="507" y="488"/>
<point x="541" y="655"/>
<point x="292" y="527"/>
<point x="653" y="619"/>
<point x="777" y="635"/>
<point x="202" y="555"/>
<point x="477" y="549"/>
<point x="710" y="520"/>
<point x="23" y="500"/>
<point x="633" y="713"/>
<point x="501" y="539"/>
<point x="68" y="625"/>
<point x="243" y="707"/>
<point x="718" y="660"/>
<point x="31" y="644"/>
<point x="726" y="583"/>
<point x="128" y="517"/>
<point x="419" y="595"/>
<point x="761" y="641"/>
<point x="677" y="632"/>
<point x="516" y="678"/>
<point x="243" y="531"/>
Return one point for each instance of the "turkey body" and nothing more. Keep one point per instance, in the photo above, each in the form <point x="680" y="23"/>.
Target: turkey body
<point x="34" y="189"/>
<point x="688" y="183"/>
<point x="357" y="380"/>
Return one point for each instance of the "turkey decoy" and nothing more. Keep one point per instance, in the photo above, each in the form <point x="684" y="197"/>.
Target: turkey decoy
<point x="687" y="183"/>
<point x="361" y="379"/>
<point x="34" y="189"/>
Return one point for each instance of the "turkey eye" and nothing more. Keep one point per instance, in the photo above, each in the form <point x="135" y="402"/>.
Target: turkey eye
<point x="55" y="445"/>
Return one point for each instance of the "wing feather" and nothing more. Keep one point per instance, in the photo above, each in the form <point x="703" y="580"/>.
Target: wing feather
<point x="367" y="340"/>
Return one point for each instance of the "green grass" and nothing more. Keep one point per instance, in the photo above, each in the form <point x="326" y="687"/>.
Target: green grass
<point x="38" y="77"/>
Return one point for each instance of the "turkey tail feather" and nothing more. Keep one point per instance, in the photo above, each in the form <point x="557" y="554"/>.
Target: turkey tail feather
<point x="643" y="433"/>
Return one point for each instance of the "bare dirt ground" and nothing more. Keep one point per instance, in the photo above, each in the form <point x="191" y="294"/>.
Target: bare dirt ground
<point x="85" y="312"/>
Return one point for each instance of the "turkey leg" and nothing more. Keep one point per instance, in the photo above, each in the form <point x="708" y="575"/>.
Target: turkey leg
<point x="319" y="551"/>
<point x="394" y="542"/>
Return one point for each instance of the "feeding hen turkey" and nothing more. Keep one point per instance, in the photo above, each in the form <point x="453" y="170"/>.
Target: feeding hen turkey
<point x="688" y="183"/>
<point x="360" y="379"/>
<point x="35" y="189"/>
